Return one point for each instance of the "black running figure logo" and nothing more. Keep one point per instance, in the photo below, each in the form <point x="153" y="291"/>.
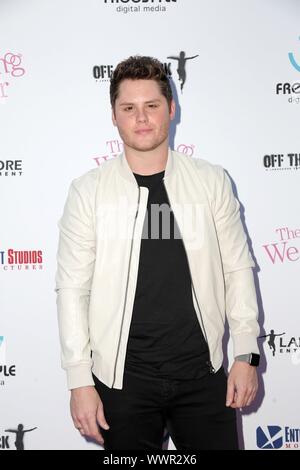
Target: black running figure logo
<point x="19" y="443"/>
<point x="181" y="66"/>
<point x="271" y="341"/>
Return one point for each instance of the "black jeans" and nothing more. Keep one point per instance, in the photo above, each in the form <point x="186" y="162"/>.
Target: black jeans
<point x="193" y="411"/>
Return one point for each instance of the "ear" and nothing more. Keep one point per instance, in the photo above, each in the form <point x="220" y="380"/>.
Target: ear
<point x="113" y="117"/>
<point x="172" y="110"/>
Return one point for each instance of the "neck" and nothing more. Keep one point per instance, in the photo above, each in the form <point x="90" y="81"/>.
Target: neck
<point x="147" y="163"/>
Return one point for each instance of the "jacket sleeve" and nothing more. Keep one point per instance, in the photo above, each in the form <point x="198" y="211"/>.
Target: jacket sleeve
<point x="240" y="293"/>
<point x="75" y="267"/>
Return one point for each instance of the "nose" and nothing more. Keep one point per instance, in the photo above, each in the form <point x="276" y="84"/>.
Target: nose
<point x="141" y="115"/>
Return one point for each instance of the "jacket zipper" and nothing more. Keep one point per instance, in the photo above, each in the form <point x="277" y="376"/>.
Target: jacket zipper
<point x="127" y="282"/>
<point x="211" y="368"/>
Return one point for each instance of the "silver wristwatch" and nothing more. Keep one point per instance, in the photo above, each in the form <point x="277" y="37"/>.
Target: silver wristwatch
<point x="251" y="358"/>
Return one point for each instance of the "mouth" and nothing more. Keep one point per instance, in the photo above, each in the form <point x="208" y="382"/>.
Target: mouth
<point x="143" y="131"/>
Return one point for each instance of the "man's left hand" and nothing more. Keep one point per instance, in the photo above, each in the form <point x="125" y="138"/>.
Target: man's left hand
<point x="242" y="385"/>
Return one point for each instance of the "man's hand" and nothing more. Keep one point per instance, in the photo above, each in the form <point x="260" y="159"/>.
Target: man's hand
<point x="87" y="412"/>
<point x="242" y="385"/>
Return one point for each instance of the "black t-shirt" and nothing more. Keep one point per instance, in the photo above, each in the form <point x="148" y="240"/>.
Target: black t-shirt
<point x="165" y="337"/>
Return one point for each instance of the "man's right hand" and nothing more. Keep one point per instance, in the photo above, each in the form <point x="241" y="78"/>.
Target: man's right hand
<point x="87" y="412"/>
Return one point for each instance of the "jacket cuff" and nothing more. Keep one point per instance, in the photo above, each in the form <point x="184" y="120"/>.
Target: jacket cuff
<point x="244" y="344"/>
<point x="79" y="376"/>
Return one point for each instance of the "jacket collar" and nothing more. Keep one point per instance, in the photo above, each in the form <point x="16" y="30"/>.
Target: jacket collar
<point x="127" y="173"/>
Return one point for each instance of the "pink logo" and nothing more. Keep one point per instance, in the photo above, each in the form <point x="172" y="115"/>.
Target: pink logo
<point x="283" y="250"/>
<point x="10" y="67"/>
<point x="186" y="149"/>
<point x="115" y="147"/>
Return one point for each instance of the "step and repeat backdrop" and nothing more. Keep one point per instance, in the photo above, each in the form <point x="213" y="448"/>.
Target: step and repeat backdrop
<point x="235" y="71"/>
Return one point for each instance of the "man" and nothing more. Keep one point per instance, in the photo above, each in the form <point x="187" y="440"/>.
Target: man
<point x="142" y="304"/>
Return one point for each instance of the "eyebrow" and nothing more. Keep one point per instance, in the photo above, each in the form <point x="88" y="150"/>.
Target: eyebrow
<point x="146" y="102"/>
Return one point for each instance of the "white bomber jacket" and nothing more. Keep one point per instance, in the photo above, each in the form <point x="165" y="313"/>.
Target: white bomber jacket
<point x="98" y="256"/>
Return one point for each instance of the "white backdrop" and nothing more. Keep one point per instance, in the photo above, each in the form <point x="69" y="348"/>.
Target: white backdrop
<point x="239" y="107"/>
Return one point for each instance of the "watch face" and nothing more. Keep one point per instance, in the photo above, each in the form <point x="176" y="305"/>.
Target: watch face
<point x="254" y="361"/>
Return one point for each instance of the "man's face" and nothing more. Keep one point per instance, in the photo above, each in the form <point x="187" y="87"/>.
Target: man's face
<point x="142" y="114"/>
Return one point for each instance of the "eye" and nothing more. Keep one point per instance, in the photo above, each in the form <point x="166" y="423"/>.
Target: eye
<point x="153" y="105"/>
<point x="128" y="108"/>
